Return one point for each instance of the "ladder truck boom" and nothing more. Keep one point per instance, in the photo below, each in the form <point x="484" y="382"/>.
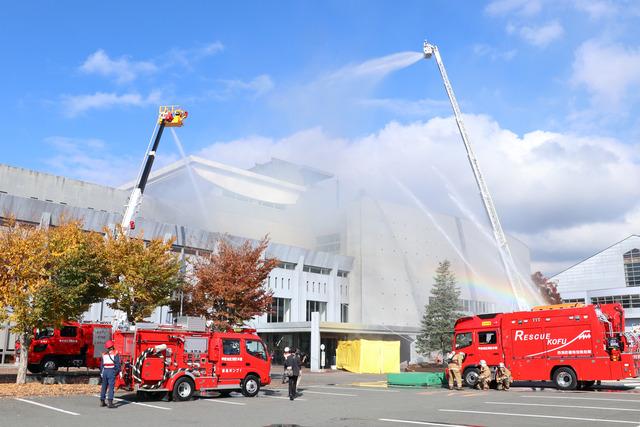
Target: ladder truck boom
<point x="168" y="116"/>
<point x="506" y="257"/>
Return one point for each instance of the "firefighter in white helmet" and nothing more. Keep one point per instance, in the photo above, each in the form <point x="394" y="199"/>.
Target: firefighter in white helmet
<point x="455" y="367"/>
<point x="484" y="377"/>
<point x="503" y="377"/>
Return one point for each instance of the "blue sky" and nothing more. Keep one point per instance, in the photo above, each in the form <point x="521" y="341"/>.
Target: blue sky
<point x="82" y="81"/>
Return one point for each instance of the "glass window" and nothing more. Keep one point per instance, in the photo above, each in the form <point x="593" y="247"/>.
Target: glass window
<point x="488" y="337"/>
<point x="256" y="349"/>
<point x="631" y="261"/>
<point x="68" y="331"/>
<point x="230" y="347"/>
<point x="44" y="333"/>
<point x="280" y="310"/>
<point x="463" y="340"/>
<point x="344" y="313"/>
<point x="318" y="306"/>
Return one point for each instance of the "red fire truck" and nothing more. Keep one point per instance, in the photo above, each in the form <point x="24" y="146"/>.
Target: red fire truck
<point x="182" y="362"/>
<point x="572" y="345"/>
<point x="73" y="344"/>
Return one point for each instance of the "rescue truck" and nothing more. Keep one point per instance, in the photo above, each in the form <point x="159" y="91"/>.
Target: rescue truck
<point x="183" y="362"/>
<point x="73" y="344"/>
<point x="572" y="345"/>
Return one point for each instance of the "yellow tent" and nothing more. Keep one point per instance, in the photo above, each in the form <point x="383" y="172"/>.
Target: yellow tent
<point x="368" y="357"/>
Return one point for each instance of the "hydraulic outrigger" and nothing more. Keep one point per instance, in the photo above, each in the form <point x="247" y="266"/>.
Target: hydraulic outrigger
<point x="168" y="116"/>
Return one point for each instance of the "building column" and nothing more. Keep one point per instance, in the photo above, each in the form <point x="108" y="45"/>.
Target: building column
<point x="315" y="341"/>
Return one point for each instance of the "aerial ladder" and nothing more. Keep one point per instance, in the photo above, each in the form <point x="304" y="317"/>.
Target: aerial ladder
<point x="508" y="263"/>
<point x="168" y="116"/>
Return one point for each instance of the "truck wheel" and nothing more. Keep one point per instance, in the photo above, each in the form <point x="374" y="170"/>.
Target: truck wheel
<point x="565" y="379"/>
<point x="34" y="369"/>
<point x="49" y="365"/>
<point x="471" y="376"/>
<point x="250" y="386"/>
<point x="183" y="389"/>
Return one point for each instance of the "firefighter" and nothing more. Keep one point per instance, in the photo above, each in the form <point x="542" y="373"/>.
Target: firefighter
<point x="109" y="369"/>
<point x="503" y="377"/>
<point x="455" y="365"/>
<point x="485" y="376"/>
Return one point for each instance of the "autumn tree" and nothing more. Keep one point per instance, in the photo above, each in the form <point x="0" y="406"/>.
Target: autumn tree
<point x="228" y="286"/>
<point x="47" y="276"/>
<point x="440" y="313"/>
<point x="547" y="288"/>
<point x="141" y="275"/>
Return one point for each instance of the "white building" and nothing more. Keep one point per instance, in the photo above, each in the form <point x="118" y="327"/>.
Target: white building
<point x="611" y="275"/>
<point x="365" y="265"/>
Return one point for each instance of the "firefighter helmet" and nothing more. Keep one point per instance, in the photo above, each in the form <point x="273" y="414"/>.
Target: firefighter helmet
<point x="108" y="344"/>
<point x="287" y="350"/>
<point x="501" y="364"/>
<point x="483" y="363"/>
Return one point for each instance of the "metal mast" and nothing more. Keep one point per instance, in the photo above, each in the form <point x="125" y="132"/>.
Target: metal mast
<point x="505" y="253"/>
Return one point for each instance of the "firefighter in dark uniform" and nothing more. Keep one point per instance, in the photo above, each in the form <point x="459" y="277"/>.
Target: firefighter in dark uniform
<point x="109" y="369"/>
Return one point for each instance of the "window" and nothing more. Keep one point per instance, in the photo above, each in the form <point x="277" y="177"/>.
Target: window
<point x="256" y="349"/>
<point x="318" y="306"/>
<point x="288" y="283"/>
<point x="280" y="310"/>
<point x="627" y="301"/>
<point x="570" y="300"/>
<point x="463" y="340"/>
<point x="230" y="347"/>
<point x="287" y="265"/>
<point x="342" y="273"/>
<point x="316" y="270"/>
<point x="68" y="331"/>
<point x="344" y="313"/>
<point x="631" y="261"/>
<point x="489" y="337"/>
<point x="44" y="333"/>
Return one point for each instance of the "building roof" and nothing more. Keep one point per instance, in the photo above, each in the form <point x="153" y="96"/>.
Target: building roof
<point x="291" y="172"/>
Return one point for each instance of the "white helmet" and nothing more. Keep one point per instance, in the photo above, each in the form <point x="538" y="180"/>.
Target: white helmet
<point x="287" y="350"/>
<point x="462" y="353"/>
<point x="483" y="363"/>
<point x="501" y="364"/>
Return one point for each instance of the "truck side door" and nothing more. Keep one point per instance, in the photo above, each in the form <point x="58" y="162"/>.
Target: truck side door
<point x="257" y="359"/>
<point x="68" y="340"/>
<point x="231" y="361"/>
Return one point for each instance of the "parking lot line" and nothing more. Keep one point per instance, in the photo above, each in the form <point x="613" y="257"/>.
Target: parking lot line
<point x="223" y="401"/>
<point x="282" y="397"/>
<point x="331" y="394"/>
<point x="556" y="417"/>
<point x="423" y="423"/>
<point x="46" y="406"/>
<point x="331" y="387"/>
<point x="584" y="398"/>
<point x="138" y="403"/>
<point x="565" y="406"/>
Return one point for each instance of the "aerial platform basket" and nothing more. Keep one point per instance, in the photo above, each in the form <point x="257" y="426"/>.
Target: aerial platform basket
<point x="172" y="116"/>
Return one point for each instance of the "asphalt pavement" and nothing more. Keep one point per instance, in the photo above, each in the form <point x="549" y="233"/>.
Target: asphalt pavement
<point x="341" y="399"/>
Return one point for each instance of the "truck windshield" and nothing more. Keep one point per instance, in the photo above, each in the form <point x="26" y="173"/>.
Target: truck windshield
<point x="44" y="333"/>
<point x="463" y="340"/>
<point x="256" y="349"/>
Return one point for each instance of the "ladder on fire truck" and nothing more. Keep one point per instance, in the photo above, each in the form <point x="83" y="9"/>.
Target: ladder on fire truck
<point x="168" y="116"/>
<point x="506" y="257"/>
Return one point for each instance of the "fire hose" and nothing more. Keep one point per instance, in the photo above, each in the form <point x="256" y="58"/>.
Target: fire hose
<point x="167" y="373"/>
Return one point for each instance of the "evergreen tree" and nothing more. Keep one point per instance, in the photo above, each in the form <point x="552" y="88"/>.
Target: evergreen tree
<point x="441" y="312"/>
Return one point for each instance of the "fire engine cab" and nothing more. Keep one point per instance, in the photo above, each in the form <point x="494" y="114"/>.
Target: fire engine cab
<point x="182" y="361"/>
<point x="572" y="345"/>
<point x="73" y="344"/>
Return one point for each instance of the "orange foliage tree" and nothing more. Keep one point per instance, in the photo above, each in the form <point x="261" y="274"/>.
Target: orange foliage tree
<point x="228" y="286"/>
<point x="547" y="288"/>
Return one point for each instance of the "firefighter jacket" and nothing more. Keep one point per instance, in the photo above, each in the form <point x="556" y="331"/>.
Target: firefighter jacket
<point x="485" y="372"/>
<point x="456" y="361"/>
<point x="503" y="374"/>
<point x="110" y="360"/>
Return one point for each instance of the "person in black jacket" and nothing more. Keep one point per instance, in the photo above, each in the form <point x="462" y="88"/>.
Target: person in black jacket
<point x="292" y="370"/>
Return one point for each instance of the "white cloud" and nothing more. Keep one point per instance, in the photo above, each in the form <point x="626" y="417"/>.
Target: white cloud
<point x="609" y="71"/>
<point x="186" y="57"/>
<point x="493" y="53"/>
<point x="123" y="69"/>
<point x="257" y="87"/>
<point x="545" y="184"/>
<point x="74" y="105"/>
<point x="520" y="7"/>
<point x="539" y="36"/>
<point x="598" y="9"/>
